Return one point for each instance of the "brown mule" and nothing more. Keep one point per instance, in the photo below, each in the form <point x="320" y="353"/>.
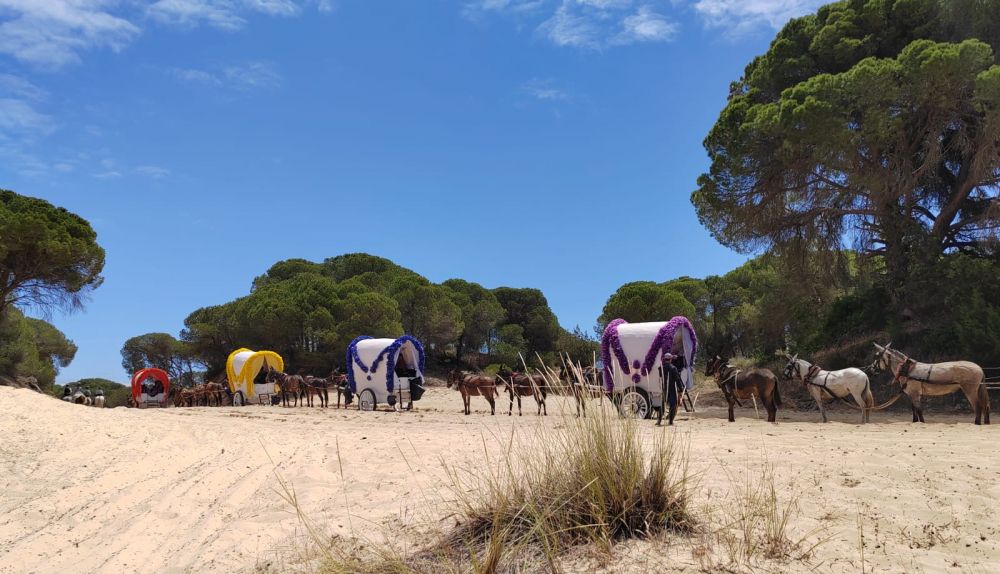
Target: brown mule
<point x="523" y="385"/>
<point x="290" y="385"/>
<point x="473" y="385"/>
<point x="738" y="384"/>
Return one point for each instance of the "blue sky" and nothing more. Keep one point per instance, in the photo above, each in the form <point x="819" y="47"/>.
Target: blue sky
<point x="543" y="143"/>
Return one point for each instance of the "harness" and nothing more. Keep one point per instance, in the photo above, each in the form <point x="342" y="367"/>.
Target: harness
<point x="723" y="384"/>
<point x="810" y="379"/>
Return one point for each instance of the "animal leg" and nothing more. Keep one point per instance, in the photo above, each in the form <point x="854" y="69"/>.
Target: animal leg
<point x="984" y="403"/>
<point x="732" y="417"/>
<point x="493" y="405"/>
<point x="973" y="396"/>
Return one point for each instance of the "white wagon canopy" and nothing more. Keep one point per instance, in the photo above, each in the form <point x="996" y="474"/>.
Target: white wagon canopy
<point x="633" y="355"/>
<point x="385" y="371"/>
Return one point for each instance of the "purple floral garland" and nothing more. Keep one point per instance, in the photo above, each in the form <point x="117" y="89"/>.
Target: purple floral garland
<point x="661" y="345"/>
<point x="664" y="341"/>
<point x="610" y="342"/>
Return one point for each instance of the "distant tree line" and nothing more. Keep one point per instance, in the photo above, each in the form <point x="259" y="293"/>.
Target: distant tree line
<point x="309" y="312"/>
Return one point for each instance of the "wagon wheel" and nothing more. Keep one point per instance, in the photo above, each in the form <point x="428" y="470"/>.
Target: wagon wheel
<point x="635" y="404"/>
<point x="366" y="400"/>
<point x="238" y="399"/>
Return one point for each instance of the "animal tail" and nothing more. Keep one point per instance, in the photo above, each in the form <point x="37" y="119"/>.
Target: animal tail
<point x="868" y="396"/>
<point x="777" y="393"/>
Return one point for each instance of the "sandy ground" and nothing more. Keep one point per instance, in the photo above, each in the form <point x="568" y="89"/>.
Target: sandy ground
<point x="194" y="490"/>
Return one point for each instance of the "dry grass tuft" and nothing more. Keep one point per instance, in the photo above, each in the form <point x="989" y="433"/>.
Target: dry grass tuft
<point x="593" y="481"/>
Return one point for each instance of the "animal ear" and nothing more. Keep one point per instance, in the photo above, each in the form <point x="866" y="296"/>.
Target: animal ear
<point x="795" y="358"/>
<point x="879" y="347"/>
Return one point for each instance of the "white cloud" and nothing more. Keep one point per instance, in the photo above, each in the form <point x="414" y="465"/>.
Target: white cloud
<point x="646" y="26"/>
<point x="544" y="90"/>
<point x="742" y="16"/>
<point x="153" y="171"/>
<point x="14" y="86"/>
<point x="19" y="117"/>
<point x="51" y="33"/>
<point x="479" y="8"/>
<point x="247" y="76"/>
<point x="223" y="14"/>
<point x="586" y="24"/>
<point x="191" y="13"/>
<point x="574" y="26"/>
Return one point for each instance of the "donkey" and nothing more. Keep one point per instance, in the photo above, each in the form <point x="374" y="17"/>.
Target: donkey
<point x="523" y="385"/>
<point x="837" y="384"/>
<point x="934" y="379"/>
<point x="473" y="385"/>
<point x="738" y="384"/>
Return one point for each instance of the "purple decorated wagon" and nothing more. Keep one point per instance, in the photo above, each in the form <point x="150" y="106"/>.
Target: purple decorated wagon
<point x="633" y="355"/>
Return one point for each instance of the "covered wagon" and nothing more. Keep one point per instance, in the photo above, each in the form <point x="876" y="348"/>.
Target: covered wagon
<point x="389" y="371"/>
<point x="633" y="355"/>
<point x="247" y="373"/>
<point x="150" y="388"/>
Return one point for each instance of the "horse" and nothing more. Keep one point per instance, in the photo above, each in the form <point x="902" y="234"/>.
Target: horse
<point x="99" y="398"/>
<point x="290" y="385"/>
<point x="523" y="385"/>
<point x="81" y="397"/>
<point x="738" y="384"/>
<point x="473" y="385"/>
<point x="213" y="391"/>
<point x="182" y="397"/>
<point x="934" y="379"/>
<point x="837" y="384"/>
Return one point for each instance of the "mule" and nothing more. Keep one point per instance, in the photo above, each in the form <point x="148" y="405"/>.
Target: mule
<point x="320" y="388"/>
<point x="837" y="384"/>
<point x="99" y="398"/>
<point x="934" y="380"/>
<point x="739" y="384"/>
<point x="289" y="384"/>
<point x="573" y="376"/>
<point x="523" y="385"/>
<point x="473" y="385"/>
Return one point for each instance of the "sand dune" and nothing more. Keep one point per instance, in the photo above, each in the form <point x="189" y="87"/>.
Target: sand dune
<point x="194" y="490"/>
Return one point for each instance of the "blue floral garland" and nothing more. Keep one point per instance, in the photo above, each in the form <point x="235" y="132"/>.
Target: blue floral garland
<point x="390" y="352"/>
<point x="353" y="358"/>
